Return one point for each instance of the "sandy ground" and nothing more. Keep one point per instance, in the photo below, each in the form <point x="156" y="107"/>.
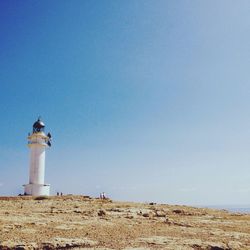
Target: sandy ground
<point x="78" y="222"/>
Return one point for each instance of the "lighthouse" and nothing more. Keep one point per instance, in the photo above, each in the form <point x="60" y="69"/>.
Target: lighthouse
<point x="38" y="141"/>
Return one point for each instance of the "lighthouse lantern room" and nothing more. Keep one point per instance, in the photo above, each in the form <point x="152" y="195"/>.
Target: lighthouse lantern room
<point x="38" y="141"/>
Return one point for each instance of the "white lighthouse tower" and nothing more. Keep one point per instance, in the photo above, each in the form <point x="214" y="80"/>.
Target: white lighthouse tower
<point x="38" y="141"/>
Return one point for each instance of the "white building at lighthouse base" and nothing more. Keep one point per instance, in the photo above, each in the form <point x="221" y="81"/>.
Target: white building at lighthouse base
<point x="37" y="189"/>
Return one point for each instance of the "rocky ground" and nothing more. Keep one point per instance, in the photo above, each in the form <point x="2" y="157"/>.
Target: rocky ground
<point x="79" y="222"/>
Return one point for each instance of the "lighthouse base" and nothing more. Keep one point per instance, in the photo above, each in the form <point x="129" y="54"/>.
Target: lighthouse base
<point x="36" y="189"/>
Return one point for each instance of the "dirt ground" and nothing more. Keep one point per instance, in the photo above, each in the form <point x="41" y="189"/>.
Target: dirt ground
<point x="80" y="222"/>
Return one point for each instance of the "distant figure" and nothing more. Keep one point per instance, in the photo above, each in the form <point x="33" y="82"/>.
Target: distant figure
<point x="57" y="193"/>
<point x="102" y="196"/>
<point x="61" y="193"/>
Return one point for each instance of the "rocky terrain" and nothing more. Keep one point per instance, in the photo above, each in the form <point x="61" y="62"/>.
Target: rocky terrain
<point x="80" y="222"/>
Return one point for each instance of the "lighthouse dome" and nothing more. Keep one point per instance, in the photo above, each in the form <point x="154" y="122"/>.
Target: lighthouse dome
<point x="38" y="126"/>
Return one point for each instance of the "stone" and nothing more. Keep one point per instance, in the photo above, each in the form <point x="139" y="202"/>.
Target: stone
<point x="101" y="212"/>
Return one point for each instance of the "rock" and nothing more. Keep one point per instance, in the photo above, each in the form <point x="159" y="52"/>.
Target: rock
<point x="234" y="245"/>
<point x="181" y="224"/>
<point x="92" y="224"/>
<point x="129" y="216"/>
<point x="115" y="210"/>
<point x="216" y="246"/>
<point x="77" y="211"/>
<point x="178" y="211"/>
<point x="11" y="245"/>
<point x="139" y="248"/>
<point x="160" y="213"/>
<point x="177" y="243"/>
<point x="155" y="240"/>
<point x="59" y="243"/>
<point x="101" y="212"/>
<point x="20" y="247"/>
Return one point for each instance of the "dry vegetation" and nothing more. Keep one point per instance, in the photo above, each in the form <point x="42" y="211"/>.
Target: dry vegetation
<point x="79" y="222"/>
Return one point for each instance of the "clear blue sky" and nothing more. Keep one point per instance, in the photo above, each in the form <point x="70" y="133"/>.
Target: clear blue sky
<point x="146" y="100"/>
